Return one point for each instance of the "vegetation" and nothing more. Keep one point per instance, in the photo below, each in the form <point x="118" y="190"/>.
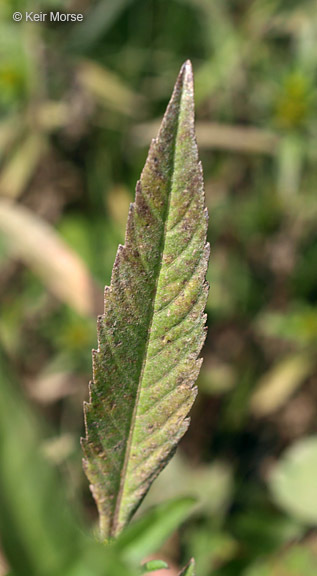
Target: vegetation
<point x="152" y="329"/>
<point x="77" y="103"/>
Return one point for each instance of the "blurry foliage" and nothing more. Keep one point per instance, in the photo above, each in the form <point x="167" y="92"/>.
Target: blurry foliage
<point x="295" y="474"/>
<point x="77" y="104"/>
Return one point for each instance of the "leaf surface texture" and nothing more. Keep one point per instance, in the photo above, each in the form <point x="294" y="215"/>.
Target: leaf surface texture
<point x="153" y="326"/>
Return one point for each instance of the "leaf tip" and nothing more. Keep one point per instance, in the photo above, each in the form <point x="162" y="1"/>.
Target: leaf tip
<point x="186" y="74"/>
<point x="189" y="569"/>
<point x="187" y="67"/>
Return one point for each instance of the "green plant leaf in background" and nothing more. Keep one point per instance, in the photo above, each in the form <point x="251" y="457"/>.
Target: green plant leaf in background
<point x="297" y="560"/>
<point x="145" y="536"/>
<point x="152" y="330"/>
<point x="39" y="535"/>
<point x="293" y="480"/>
<point x="154" y="565"/>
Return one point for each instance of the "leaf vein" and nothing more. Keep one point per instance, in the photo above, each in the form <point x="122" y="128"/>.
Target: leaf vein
<point x="182" y="290"/>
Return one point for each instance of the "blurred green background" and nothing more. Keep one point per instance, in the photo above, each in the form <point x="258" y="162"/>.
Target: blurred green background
<point x="79" y="104"/>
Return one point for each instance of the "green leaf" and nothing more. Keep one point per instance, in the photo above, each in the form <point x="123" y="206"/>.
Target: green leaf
<point x="147" y="534"/>
<point x="189" y="570"/>
<point x="297" y="560"/>
<point x="152" y="330"/>
<point x="95" y="559"/>
<point x="38" y="533"/>
<point x="293" y="480"/>
<point x="153" y="565"/>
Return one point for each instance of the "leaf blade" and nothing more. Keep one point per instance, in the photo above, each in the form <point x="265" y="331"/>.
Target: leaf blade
<point x="189" y="569"/>
<point x="146" y="535"/>
<point x="152" y="330"/>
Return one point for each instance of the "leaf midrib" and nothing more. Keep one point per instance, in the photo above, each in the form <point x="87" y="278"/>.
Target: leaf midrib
<point x="115" y="522"/>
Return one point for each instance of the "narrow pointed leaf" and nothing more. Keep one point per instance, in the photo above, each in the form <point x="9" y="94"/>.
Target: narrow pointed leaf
<point x="152" y="330"/>
<point x="189" y="570"/>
